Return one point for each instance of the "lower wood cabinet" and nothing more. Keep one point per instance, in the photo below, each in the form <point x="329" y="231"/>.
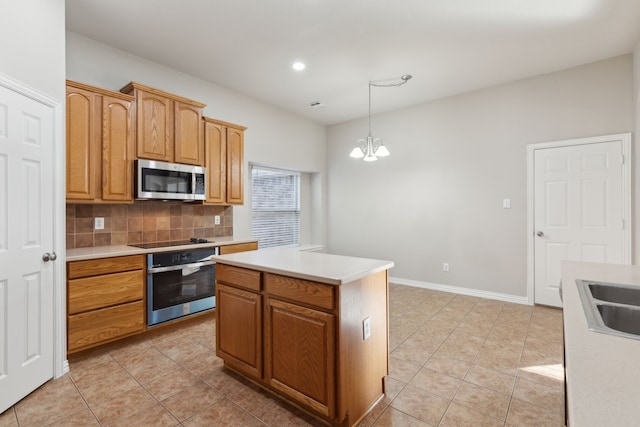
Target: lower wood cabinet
<point x="303" y="340"/>
<point x="240" y="341"/>
<point x="105" y="300"/>
<point x="305" y="370"/>
<point x="238" y="247"/>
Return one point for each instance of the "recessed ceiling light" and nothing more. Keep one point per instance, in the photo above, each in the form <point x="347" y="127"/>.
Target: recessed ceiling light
<point x="299" y="66"/>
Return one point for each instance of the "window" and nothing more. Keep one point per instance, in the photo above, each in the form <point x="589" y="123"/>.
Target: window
<point x="275" y="206"/>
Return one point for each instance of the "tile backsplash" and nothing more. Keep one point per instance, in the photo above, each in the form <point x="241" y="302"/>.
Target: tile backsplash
<point x="145" y="222"/>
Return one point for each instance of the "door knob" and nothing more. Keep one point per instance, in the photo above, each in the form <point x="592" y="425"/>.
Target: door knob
<point x="49" y="256"/>
<point x="539" y="234"/>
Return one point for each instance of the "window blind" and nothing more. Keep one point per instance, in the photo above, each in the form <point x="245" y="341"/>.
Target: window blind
<point x="275" y="206"/>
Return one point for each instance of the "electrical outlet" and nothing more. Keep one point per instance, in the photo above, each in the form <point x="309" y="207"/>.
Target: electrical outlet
<point x="99" y="224"/>
<point x="506" y="204"/>
<point x="445" y="266"/>
<point x="366" y="328"/>
<point x="216" y="219"/>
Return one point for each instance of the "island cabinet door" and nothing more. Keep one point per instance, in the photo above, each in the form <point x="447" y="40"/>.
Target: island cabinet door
<point x="239" y="329"/>
<point x="300" y="354"/>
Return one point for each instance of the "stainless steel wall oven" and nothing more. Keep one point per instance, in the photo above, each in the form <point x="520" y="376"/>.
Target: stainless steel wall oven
<point x="180" y="283"/>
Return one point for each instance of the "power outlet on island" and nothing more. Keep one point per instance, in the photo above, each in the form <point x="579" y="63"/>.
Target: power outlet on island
<point x="366" y="328"/>
<point x="216" y="219"/>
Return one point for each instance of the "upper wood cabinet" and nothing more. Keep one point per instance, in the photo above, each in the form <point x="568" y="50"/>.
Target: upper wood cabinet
<point x="169" y="126"/>
<point x="224" y="160"/>
<point x="100" y="144"/>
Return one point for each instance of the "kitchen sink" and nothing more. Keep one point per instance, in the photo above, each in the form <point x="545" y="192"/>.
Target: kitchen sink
<point x="621" y="294"/>
<point x="623" y="319"/>
<point x="611" y="308"/>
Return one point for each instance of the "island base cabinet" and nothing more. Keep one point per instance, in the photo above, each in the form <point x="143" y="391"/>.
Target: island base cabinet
<point x="239" y="329"/>
<point x="309" y="336"/>
<point x="300" y="355"/>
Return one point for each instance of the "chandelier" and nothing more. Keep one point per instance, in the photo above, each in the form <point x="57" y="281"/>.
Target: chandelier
<point x="371" y="148"/>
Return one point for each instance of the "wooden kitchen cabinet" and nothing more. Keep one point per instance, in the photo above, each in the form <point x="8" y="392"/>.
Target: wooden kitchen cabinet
<point x="306" y="342"/>
<point x="224" y="160"/>
<point x="105" y="300"/>
<point x="239" y="311"/>
<point x="238" y="247"/>
<point x="299" y="318"/>
<point x="299" y="354"/>
<point x="169" y="126"/>
<point x="100" y="145"/>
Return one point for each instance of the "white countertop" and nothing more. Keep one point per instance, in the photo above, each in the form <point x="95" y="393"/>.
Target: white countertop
<point x="603" y="371"/>
<point x="80" y="254"/>
<point x="314" y="266"/>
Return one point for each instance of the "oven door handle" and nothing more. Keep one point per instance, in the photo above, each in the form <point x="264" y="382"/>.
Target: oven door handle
<point x="178" y="267"/>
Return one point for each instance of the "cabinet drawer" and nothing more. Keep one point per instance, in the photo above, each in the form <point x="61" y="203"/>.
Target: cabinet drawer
<point x="237" y="276"/>
<point x="90" y="293"/>
<point x="100" y="326"/>
<point x="240" y="247"/>
<point x="299" y="290"/>
<point x="95" y="267"/>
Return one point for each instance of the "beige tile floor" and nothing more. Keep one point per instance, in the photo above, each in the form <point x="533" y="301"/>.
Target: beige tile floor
<point x="455" y="361"/>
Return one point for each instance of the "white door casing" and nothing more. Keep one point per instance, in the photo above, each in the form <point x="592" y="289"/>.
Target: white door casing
<point x="28" y="132"/>
<point x="579" y="208"/>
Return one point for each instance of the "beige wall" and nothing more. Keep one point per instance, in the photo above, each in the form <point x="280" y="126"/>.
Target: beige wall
<point x="274" y="137"/>
<point x="32" y="44"/>
<point x="438" y="198"/>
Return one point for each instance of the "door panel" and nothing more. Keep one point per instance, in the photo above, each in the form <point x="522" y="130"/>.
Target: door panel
<point x="117" y="149"/>
<point x="26" y="232"/>
<point x="578" y="210"/>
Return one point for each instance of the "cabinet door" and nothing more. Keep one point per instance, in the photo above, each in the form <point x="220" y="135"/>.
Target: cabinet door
<point x="235" y="169"/>
<point x="215" y="151"/>
<point x="117" y="149"/>
<point x="189" y="148"/>
<point x="239" y="329"/>
<point x="300" y="354"/>
<point x="155" y="126"/>
<point x="83" y="150"/>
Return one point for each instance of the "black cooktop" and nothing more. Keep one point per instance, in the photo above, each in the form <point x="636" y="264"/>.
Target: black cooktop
<point x="155" y="245"/>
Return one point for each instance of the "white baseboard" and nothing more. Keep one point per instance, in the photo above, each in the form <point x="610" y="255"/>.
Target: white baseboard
<point x="462" y="291"/>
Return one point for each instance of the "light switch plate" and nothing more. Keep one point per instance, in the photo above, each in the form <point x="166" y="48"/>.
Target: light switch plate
<point x="506" y="204"/>
<point x="216" y="219"/>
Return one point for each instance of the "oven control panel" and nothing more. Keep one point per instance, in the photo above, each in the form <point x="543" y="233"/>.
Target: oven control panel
<point x="166" y="259"/>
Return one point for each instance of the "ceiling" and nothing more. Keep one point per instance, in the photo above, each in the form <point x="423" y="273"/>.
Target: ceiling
<point x="449" y="46"/>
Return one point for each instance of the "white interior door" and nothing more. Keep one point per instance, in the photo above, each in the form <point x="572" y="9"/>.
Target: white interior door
<point x="26" y="233"/>
<point x="579" y="210"/>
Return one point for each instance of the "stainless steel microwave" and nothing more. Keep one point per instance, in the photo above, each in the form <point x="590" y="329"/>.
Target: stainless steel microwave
<point x="169" y="181"/>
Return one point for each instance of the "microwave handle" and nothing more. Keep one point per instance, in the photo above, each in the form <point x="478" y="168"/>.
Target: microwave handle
<point x="178" y="267"/>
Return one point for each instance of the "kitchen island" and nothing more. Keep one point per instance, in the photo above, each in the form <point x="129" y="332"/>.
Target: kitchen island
<point x="309" y="327"/>
<point x="602" y="370"/>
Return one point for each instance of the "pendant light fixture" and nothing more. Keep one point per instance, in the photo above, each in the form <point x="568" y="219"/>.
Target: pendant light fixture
<point x="371" y="148"/>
